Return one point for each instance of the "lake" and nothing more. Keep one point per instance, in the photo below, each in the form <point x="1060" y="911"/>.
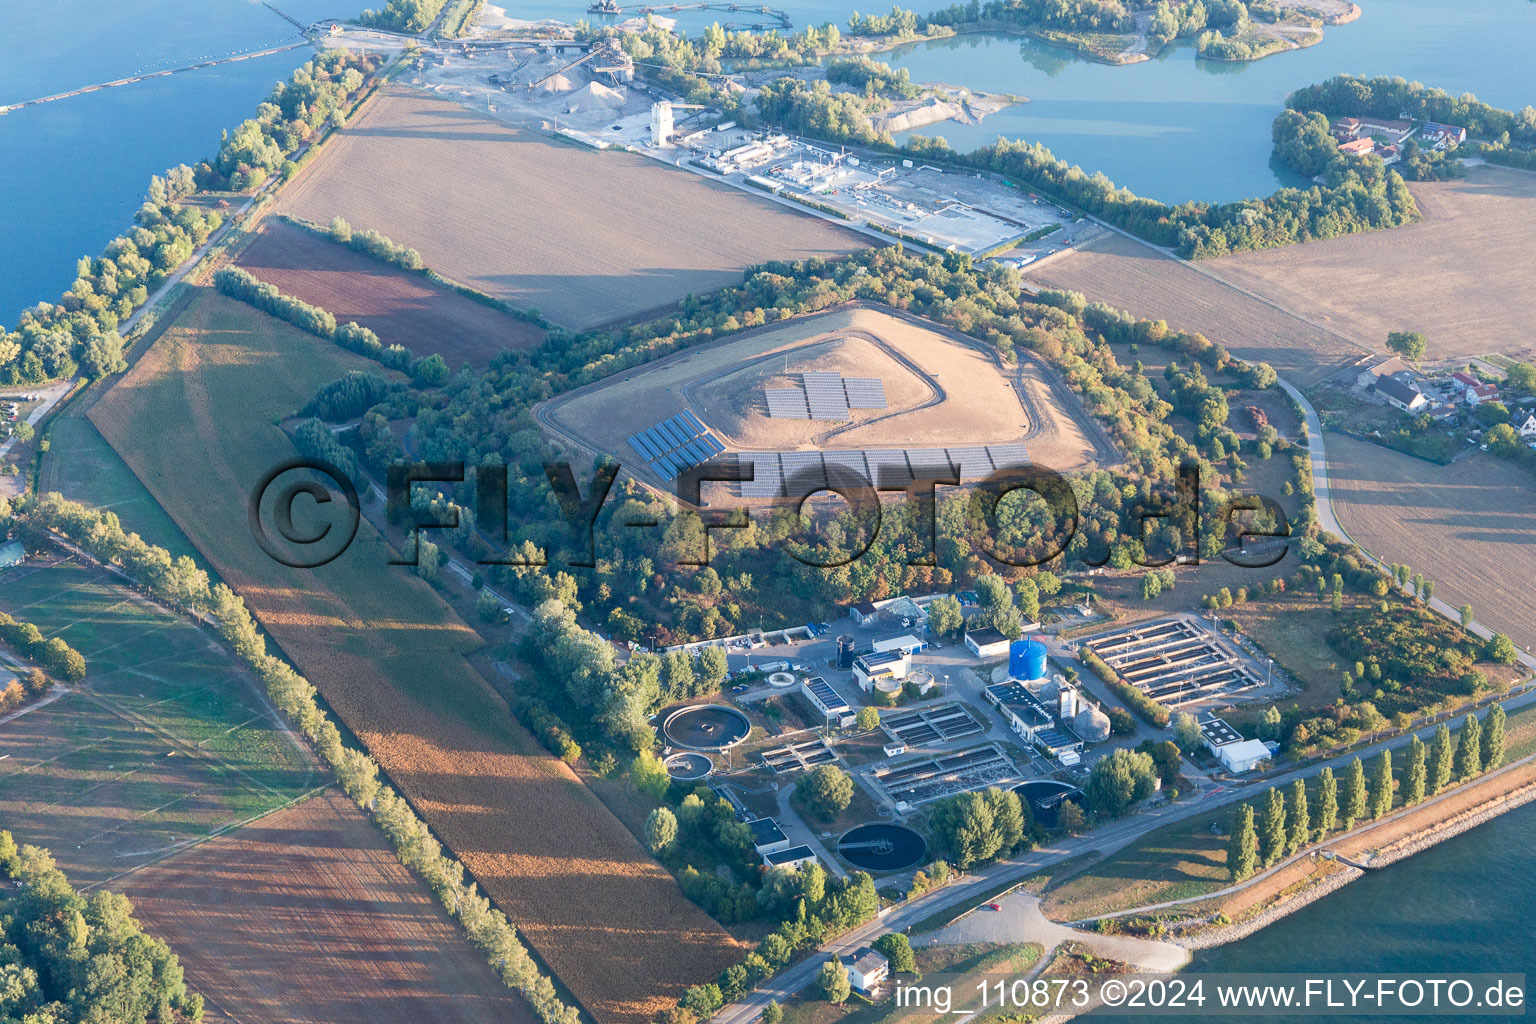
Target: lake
<point x="75" y="170"/>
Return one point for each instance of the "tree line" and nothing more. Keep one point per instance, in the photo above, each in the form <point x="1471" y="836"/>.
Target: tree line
<point x="50" y="652"/>
<point x="1288" y="822"/>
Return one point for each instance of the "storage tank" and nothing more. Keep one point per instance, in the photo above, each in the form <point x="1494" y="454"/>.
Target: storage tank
<point x="1026" y="659"/>
<point x="845" y="652"/>
<point x="1091" y="725"/>
<point x="1066" y="705"/>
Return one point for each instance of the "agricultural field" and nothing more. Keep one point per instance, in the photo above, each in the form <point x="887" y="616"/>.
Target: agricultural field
<point x="82" y="466"/>
<point x="1461" y="275"/>
<point x="168" y="740"/>
<point x="1468" y="526"/>
<point x="306" y="915"/>
<point x="399" y="306"/>
<point x="585" y="237"/>
<point x="1133" y="276"/>
<point x="940" y="391"/>
<point x="388" y="654"/>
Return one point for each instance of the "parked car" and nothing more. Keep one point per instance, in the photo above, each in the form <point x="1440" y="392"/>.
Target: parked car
<point x="994" y="906"/>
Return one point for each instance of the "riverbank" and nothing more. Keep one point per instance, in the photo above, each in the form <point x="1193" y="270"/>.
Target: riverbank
<point x="1377" y="846"/>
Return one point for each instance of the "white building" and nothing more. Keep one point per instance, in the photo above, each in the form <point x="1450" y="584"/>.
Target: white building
<point x="1242" y="756"/>
<point x="888" y="667"/>
<point x="793" y="858"/>
<point x="828" y="701"/>
<point x="986" y="642"/>
<point x="767" y="837"/>
<point x="867" y="968"/>
<point x="908" y="644"/>
<point x="1528" y="428"/>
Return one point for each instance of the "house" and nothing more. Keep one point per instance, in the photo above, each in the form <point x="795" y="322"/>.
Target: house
<point x="1461" y="380"/>
<point x="1401" y="394"/>
<point x="889" y="667"/>
<point x="1371" y="373"/>
<point x="986" y="642"/>
<point x="1442" y="136"/>
<point x="1358" y="147"/>
<point x="1482" y="393"/>
<point x="1218" y="733"/>
<point x="1345" y="128"/>
<point x="12" y="553"/>
<point x="867" y="968"/>
<point x="1242" y="756"/>
<point x="793" y="858"/>
<point x="767" y="837"/>
<point x="863" y="613"/>
<point x="1527" y="429"/>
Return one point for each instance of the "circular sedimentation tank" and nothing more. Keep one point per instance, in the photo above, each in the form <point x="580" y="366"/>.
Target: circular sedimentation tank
<point x="706" y="727"/>
<point x="782" y="680"/>
<point x="689" y="767"/>
<point x="1045" y="797"/>
<point x="882" y="847"/>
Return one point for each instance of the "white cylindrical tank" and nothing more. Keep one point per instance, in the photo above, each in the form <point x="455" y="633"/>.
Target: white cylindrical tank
<point x="1066" y="704"/>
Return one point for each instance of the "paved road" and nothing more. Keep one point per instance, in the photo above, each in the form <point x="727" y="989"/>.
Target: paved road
<point x="52" y="393"/>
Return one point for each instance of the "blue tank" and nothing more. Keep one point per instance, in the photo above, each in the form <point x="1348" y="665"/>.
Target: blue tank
<point x="1026" y="659"/>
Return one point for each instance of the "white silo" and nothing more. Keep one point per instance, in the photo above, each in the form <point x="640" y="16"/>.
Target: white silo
<point x="1066" y="707"/>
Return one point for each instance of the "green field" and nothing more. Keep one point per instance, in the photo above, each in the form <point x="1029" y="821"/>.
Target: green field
<point x="81" y="466"/>
<point x="167" y="742"/>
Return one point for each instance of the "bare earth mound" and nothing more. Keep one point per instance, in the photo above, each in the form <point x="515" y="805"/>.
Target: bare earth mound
<point x="1462" y="275"/>
<point x="306" y="916"/>
<point x="400" y="307"/>
<point x="1133" y="276"/>
<point x="942" y="389"/>
<point x="389" y="655"/>
<point x="1468" y="526"/>
<point x="585" y="237"/>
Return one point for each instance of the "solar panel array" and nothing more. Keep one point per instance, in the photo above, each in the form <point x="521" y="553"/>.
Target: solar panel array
<point x="787" y="403"/>
<point x="676" y="444"/>
<point x="865" y="392"/>
<point x="827" y="396"/>
<point x="782" y="474"/>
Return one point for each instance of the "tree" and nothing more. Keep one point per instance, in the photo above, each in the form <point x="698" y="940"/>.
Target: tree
<point x="977" y="827"/>
<point x="827" y="791"/>
<point x="713" y="666"/>
<point x="1243" y="846"/>
<point x="487" y="607"/>
<point x="24" y="432"/>
<point x="1416" y="774"/>
<point x="1469" y="752"/>
<point x="868" y="718"/>
<point x="1269" y="723"/>
<point x="1301" y="822"/>
<point x="1493" y="738"/>
<point x="660" y="829"/>
<point x="1501" y="649"/>
<point x="1354" y="794"/>
<point x="1381" y="786"/>
<point x="1466" y="616"/>
<point x="1327" y="802"/>
<point x="1272" y="832"/>
<point x="1411" y="345"/>
<point x="1186" y="732"/>
<point x="1441" y="762"/>
<point x="833" y="981"/>
<point x="1119" y="780"/>
<point x="649" y="775"/>
<point x="429" y="559"/>
<point x="1070" y="817"/>
<point x="773" y="1013"/>
<point x="898" y="950"/>
<point x="945" y="616"/>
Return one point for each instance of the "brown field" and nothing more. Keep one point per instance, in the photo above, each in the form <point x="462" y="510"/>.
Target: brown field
<point x="1469" y="526"/>
<point x="585" y="237"/>
<point x="1130" y="275"/>
<point x="306" y="915"/>
<point x="1462" y="275"/>
<point x="400" y="307"/>
<point x="388" y="655"/>
<point x="941" y="391"/>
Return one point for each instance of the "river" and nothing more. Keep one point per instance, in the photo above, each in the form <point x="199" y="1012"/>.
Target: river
<point x="74" y="171"/>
